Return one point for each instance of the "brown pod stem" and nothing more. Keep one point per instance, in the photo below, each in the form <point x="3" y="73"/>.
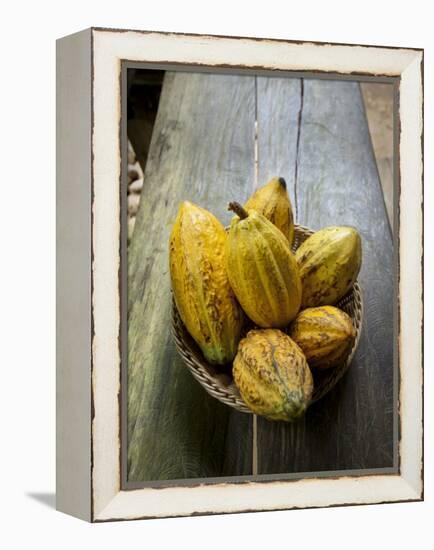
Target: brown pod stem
<point x="238" y="209"/>
<point x="282" y="182"/>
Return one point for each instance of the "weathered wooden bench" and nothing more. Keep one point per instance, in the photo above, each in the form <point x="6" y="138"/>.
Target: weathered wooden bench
<point x="215" y="139"/>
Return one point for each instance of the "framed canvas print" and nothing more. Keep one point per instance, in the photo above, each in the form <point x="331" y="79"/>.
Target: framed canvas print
<point x="239" y="274"/>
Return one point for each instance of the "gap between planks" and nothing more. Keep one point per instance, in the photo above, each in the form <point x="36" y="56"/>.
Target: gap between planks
<point x="256" y="171"/>
<point x="297" y="153"/>
<point x="255" y="452"/>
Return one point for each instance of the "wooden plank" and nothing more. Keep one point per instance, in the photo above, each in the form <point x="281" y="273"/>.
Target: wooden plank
<point x="202" y="150"/>
<point x="337" y="183"/>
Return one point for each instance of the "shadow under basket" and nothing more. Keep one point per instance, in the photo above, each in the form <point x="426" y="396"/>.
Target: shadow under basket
<point x="218" y="381"/>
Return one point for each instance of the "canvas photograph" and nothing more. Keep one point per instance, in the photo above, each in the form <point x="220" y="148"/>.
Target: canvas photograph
<point x="240" y="266"/>
<point x="259" y="276"/>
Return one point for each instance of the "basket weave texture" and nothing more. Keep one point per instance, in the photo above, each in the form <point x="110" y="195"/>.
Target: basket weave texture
<point x="219" y="382"/>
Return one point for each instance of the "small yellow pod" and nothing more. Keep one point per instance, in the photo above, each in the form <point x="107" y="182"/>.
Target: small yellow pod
<point x="329" y="262"/>
<point x="272" y="201"/>
<point x="325" y="334"/>
<point x="272" y="375"/>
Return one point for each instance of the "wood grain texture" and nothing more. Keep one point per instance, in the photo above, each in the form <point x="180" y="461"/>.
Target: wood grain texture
<point x="336" y="184"/>
<point x="202" y="150"/>
<point x="278" y="110"/>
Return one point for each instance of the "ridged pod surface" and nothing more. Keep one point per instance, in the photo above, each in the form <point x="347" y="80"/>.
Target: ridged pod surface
<point x="262" y="270"/>
<point x="325" y="335"/>
<point x="272" y="375"/>
<point x="203" y="295"/>
<point x="329" y="262"/>
<point x="272" y="201"/>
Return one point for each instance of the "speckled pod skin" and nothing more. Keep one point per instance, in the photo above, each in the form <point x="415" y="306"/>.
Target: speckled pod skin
<point x="329" y="262"/>
<point x="272" y="201"/>
<point x="262" y="271"/>
<point x="272" y="375"/>
<point x="325" y="335"/>
<point x="203" y="295"/>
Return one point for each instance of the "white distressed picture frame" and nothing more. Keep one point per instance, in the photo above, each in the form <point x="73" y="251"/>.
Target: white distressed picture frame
<point x="88" y="271"/>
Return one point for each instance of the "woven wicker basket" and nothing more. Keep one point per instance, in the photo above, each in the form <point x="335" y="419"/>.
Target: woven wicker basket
<point x="219" y="383"/>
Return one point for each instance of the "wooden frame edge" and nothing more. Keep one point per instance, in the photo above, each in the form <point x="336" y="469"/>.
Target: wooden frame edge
<point x="73" y="275"/>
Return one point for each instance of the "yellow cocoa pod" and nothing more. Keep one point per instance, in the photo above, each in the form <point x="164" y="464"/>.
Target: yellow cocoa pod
<point x="272" y="201"/>
<point x="325" y="335"/>
<point x="272" y="375"/>
<point x="262" y="269"/>
<point x="329" y="262"/>
<point x="203" y="295"/>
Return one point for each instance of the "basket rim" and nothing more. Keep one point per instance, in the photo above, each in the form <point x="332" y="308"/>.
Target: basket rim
<point x="218" y="383"/>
